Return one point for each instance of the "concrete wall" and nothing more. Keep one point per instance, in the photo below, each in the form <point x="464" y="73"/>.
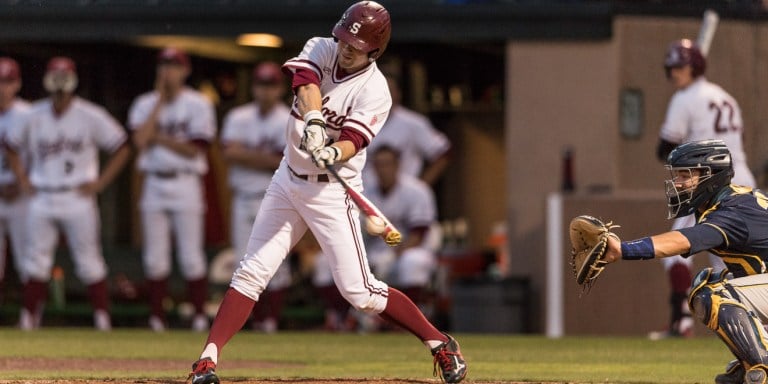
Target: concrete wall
<point x="566" y="94"/>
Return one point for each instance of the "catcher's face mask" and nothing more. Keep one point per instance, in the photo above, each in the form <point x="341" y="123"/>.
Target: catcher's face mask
<point x="680" y="189"/>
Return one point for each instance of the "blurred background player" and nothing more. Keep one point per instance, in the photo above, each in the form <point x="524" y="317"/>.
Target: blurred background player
<point x="173" y="126"/>
<point x="63" y="135"/>
<point x="698" y="110"/>
<point x="341" y="102"/>
<point x="13" y="205"/>
<point x="424" y="151"/>
<point x="253" y="137"/>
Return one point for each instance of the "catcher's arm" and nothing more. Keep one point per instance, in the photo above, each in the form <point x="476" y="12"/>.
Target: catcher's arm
<point x="664" y="245"/>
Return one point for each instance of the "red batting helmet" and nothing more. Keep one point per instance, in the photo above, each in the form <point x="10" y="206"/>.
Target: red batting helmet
<point x="684" y="52"/>
<point x="9" y="69"/>
<point x="365" y="26"/>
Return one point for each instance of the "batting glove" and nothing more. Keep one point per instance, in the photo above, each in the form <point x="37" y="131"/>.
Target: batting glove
<point x="314" y="136"/>
<point x="326" y="156"/>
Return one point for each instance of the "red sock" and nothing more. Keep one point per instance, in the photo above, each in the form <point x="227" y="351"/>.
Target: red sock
<point x="233" y="313"/>
<point x="680" y="278"/>
<point x="35" y="292"/>
<point x="158" y="290"/>
<point x="98" y="295"/>
<point x="402" y="312"/>
<point x="197" y="290"/>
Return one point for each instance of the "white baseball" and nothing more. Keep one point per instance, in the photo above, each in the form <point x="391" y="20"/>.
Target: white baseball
<point x="375" y="225"/>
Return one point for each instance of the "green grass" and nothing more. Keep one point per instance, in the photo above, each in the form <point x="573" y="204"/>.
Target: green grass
<point x="324" y="355"/>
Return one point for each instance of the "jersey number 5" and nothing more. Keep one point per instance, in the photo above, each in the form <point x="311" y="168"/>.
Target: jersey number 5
<point x="723" y="123"/>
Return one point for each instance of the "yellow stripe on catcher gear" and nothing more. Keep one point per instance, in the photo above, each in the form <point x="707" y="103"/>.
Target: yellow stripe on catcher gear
<point x="589" y="242"/>
<point x="716" y="304"/>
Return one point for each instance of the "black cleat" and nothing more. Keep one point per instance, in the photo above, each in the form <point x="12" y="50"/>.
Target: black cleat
<point x="734" y="373"/>
<point x="448" y="357"/>
<point x="204" y="372"/>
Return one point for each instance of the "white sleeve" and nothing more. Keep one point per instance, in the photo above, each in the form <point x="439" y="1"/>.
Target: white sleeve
<point x="430" y="142"/>
<point x="675" y="126"/>
<point x="423" y="211"/>
<point x="203" y="123"/>
<point x="138" y="112"/>
<point x="231" y="128"/>
<point x="370" y="112"/>
<point x="317" y="50"/>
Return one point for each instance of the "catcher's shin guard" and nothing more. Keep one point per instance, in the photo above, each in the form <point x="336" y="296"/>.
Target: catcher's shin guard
<point x="718" y="307"/>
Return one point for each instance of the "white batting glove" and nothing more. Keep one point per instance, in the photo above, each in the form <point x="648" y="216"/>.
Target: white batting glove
<point x="326" y="156"/>
<point x="314" y="136"/>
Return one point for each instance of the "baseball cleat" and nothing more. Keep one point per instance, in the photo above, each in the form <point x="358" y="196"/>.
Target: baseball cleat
<point x="204" y="372"/>
<point x="448" y="357"/>
<point x="756" y="375"/>
<point x="734" y="373"/>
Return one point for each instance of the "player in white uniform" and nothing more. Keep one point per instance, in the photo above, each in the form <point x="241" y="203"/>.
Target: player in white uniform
<point x="173" y="126"/>
<point x="698" y="110"/>
<point x="340" y="95"/>
<point x="13" y="205"/>
<point x="424" y="151"/>
<point x="409" y="204"/>
<point x="253" y="137"/>
<point x="63" y="135"/>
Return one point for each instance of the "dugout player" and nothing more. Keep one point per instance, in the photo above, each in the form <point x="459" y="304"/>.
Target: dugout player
<point x="13" y="205"/>
<point x="173" y="126"/>
<point x="698" y="110"/>
<point x="253" y="137"/>
<point x="63" y="135"/>
<point x="341" y="102"/>
<point x="424" y="151"/>
<point x="732" y="223"/>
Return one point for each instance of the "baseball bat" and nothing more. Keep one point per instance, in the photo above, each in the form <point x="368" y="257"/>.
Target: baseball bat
<point x="707" y="31"/>
<point x="390" y="234"/>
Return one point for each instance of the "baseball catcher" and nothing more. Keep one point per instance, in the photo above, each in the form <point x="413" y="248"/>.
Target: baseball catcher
<point x="732" y="223"/>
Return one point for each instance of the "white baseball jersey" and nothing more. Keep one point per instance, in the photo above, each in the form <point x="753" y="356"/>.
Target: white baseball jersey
<point x="12" y="117"/>
<point x="64" y="150"/>
<point x="703" y="111"/>
<point x="414" y="136"/>
<point x="360" y="101"/>
<point x="190" y="116"/>
<point x="247" y="126"/>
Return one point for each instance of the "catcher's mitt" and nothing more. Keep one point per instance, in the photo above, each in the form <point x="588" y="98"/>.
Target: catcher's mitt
<point x="589" y="241"/>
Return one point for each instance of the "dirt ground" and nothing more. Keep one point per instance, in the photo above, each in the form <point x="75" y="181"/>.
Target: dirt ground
<point x="17" y="364"/>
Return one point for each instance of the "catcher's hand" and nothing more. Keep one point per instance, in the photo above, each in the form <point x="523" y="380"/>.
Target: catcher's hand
<point x="589" y="243"/>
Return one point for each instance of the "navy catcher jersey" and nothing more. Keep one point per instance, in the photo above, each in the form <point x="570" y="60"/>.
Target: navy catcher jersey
<point x="734" y="228"/>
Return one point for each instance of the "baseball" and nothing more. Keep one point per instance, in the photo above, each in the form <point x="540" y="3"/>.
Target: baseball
<point x="375" y="225"/>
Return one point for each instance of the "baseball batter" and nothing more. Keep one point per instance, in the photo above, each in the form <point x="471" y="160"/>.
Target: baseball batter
<point x="698" y="110"/>
<point x="13" y="205"/>
<point x="173" y="126"/>
<point x="424" y="151"/>
<point x="63" y="135"/>
<point x="341" y="102"/>
<point x="253" y="137"/>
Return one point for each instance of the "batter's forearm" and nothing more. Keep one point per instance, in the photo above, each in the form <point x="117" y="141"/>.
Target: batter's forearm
<point x="308" y="98"/>
<point x="347" y="149"/>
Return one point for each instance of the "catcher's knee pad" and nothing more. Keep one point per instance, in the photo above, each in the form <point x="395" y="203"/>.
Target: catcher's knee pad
<point x="719" y="308"/>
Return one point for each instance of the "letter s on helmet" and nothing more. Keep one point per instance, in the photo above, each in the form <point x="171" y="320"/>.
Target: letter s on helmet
<point x="365" y="26"/>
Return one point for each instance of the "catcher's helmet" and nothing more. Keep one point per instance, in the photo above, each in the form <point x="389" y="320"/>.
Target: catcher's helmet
<point x="365" y="26"/>
<point x="684" y="52"/>
<point x="713" y="161"/>
<point x="9" y="69"/>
